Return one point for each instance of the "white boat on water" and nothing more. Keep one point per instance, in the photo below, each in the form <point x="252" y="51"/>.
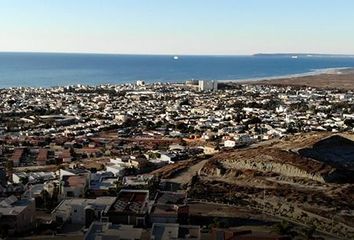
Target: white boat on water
<point x="294" y="57"/>
<point x="175" y="57"/>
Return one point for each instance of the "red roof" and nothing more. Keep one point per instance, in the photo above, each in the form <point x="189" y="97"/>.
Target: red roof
<point x="42" y="155"/>
<point x="17" y="155"/>
<point x="75" y="181"/>
<point x="65" y="154"/>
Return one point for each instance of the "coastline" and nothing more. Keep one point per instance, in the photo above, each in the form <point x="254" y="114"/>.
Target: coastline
<point x="48" y="70"/>
<point x="338" y="78"/>
<point x="312" y="78"/>
<point x="315" y="72"/>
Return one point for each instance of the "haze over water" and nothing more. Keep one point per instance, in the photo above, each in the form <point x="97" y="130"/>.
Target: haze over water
<point x="51" y="69"/>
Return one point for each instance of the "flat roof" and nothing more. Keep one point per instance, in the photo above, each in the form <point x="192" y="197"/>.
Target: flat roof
<point x="102" y="203"/>
<point x="131" y="201"/>
<point x="166" y="231"/>
<point x="106" y="230"/>
<point x="13" y="206"/>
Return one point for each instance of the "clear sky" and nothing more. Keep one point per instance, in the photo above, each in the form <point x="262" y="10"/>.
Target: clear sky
<point x="177" y="26"/>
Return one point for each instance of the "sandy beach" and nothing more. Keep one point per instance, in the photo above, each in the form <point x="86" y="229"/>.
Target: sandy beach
<point x="331" y="79"/>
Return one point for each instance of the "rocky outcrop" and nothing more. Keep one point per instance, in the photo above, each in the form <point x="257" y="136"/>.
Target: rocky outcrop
<point x="278" y="161"/>
<point x="267" y="166"/>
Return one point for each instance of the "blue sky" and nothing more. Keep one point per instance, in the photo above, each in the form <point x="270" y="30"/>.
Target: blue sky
<point x="177" y="26"/>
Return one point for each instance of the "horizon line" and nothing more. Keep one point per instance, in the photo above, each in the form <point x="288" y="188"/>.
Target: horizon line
<point x="181" y="54"/>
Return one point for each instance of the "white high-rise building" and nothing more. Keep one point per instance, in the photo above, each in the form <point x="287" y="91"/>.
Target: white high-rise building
<point x="206" y="85"/>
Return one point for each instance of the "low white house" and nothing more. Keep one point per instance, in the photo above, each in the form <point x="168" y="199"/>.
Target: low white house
<point x="33" y="177"/>
<point x="166" y="157"/>
<point x="229" y="143"/>
<point x="280" y="109"/>
<point x="76" y="210"/>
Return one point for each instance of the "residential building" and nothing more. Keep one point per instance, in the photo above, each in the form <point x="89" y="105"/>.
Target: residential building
<point x="174" y="231"/>
<point x="107" y="230"/>
<point x="16" y="215"/>
<point x="131" y="207"/>
<point x="82" y="210"/>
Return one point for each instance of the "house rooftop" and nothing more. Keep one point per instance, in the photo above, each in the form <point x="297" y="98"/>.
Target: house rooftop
<point x="166" y="231"/>
<point x="12" y="206"/>
<point x="100" y="203"/>
<point x="42" y="155"/>
<point x="131" y="201"/>
<point x="137" y="180"/>
<point x="75" y="181"/>
<point x="106" y="230"/>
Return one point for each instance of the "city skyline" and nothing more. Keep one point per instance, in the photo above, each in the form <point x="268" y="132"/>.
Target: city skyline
<point x="177" y="28"/>
<point x="179" y="119"/>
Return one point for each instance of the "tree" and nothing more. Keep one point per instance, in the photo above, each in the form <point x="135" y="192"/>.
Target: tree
<point x="184" y="102"/>
<point x="271" y="104"/>
<point x="254" y="120"/>
<point x="291" y="128"/>
<point x="119" y="185"/>
<point x="181" y="126"/>
<point x="9" y="166"/>
<point x="24" y="180"/>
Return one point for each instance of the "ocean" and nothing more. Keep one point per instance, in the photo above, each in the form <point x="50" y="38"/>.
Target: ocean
<point x="59" y="69"/>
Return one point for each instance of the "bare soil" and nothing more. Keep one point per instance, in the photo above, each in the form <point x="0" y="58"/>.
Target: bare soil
<point x="339" y="80"/>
